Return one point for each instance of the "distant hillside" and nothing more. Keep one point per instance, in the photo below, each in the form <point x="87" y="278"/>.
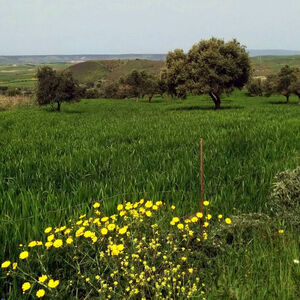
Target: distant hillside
<point x="50" y="59"/>
<point x="112" y="69"/>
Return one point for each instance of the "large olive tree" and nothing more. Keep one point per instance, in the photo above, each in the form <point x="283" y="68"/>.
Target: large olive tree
<point x="216" y="67"/>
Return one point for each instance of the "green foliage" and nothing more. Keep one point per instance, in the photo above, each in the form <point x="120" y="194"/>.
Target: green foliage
<point x="56" y="87"/>
<point x="286" y="82"/>
<point x="175" y="74"/>
<point x="138" y="84"/>
<point x="255" y="87"/>
<point x="216" y="67"/>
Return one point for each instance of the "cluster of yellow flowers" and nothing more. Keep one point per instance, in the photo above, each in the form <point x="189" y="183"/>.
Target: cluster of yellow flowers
<point x="140" y="251"/>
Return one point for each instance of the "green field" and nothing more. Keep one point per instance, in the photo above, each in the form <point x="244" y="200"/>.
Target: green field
<point x="55" y="165"/>
<point x="23" y="75"/>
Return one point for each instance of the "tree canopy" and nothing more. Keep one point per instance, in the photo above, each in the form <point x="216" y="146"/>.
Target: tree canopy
<point x="53" y="87"/>
<point x="210" y="67"/>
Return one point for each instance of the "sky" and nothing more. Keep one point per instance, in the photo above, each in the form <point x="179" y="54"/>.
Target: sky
<point x="43" y="27"/>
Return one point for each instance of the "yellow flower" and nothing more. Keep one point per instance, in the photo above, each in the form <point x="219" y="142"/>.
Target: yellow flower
<point x="194" y="219"/>
<point x="120" y="207"/>
<point x="104" y="219"/>
<point x="5" y="264"/>
<point x="205" y="224"/>
<point x="191" y="270"/>
<point x="155" y="207"/>
<point x="148" y="204"/>
<point x="148" y="213"/>
<point x="228" y="221"/>
<point x="199" y="215"/>
<point x="43" y="278"/>
<point x="123" y="230"/>
<point x="180" y="226"/>
<point x="175" y="220"/>
<point x="40" y="293"/>
<point x="111" y="227"/>
<point x="48" y="245"/>
<point x="26" y="286"/>
<point x="281" y="231"/>
<point x="48" y="229"/>
<point x="32" y="244"/>
<point x="183" y="258"/>
<point x="58" y="243"/>
<point x="209" y="216"/>
<point x="24" y="255"/>
<point x="220" y="216"/>
<point x="15" y="265"/>
<point x="104" y="231"/>
<point x="206" y="203"/>
<point x="50" y="238"/>
<point x="96" y="205"/>
<point x="173" y="207"/>
<point x="53" y="283"/>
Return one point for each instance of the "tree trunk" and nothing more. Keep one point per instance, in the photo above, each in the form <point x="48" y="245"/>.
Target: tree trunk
<point x="150" y="98"/>
<point x="58" y="106"/>
<point x="287" y="98"/>
<point x="299" y="99"/>
<point x="216" y="99"/>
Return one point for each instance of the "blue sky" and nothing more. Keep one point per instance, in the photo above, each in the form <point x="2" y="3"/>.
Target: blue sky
<point x="143" y="26"/>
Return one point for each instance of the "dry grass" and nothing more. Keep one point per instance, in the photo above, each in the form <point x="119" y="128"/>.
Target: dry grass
<point x="14" y="102"/>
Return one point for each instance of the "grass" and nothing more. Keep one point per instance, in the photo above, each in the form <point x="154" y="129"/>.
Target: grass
<point x="55" y="165"/>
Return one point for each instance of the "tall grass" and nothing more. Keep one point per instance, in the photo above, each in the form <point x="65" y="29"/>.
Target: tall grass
<point x="54" y="165"/>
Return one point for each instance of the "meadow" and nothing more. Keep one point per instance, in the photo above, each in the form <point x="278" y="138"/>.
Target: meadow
<point x="54" y="166"/>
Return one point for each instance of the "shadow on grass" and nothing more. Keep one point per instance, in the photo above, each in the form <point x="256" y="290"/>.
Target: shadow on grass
<point x="282" y="103"/>
<point x="206" y="108"/>
<point x="72" y="112"/>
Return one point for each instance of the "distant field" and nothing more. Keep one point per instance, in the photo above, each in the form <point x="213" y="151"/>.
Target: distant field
<point x="22" y="75"/>
<point x="266" y="65"/>
<point x="55" y="165"/>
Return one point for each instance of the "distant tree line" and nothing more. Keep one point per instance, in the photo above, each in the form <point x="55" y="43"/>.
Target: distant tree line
<point x="286" y="82"/>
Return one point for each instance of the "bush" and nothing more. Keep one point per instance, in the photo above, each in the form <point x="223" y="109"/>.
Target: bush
<point x="12" y="92"/>
<point x="92" y="93"/>
<point x="286" y="195"/>
<point x="140" y="252"/>
<point x="255" y="87"/>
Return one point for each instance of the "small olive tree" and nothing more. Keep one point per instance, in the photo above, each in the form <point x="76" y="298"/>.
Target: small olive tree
<point x="174" y="76"/>
<point x="53" y="87"/>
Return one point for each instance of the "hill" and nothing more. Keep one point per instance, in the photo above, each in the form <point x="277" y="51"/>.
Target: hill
<point x="112" y="69"/>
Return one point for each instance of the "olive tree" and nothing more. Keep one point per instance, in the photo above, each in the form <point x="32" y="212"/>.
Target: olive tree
<point x="175" y="74"/>
<point x="216" y="67"/>
<point x="53" y="87"/>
